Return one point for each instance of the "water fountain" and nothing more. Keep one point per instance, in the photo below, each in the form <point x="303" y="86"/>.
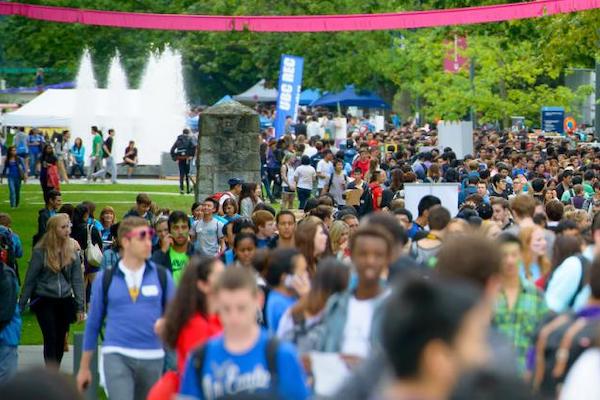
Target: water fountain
<point x="118" y="107"/>
<point x="85" y="100"/>
<point x="152" y="115"/>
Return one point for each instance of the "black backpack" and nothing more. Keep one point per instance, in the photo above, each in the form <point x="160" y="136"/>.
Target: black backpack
<point x="8" y="294"/>
<point x="271" y="349"/>
<point x="182" y="147"/>
<point x="559" y="343"/>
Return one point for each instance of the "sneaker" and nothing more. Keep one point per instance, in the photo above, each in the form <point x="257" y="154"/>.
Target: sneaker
<point x="181" y="192"/>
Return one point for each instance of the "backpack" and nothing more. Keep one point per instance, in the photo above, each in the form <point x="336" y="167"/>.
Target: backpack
<point x="182" y="147"/>
<point x="217" y="196"/>
<point x="306" y="336"/>
<point x="585" y="266"/>
<point x="7" y="248"/>
<point x="108" y="277"/>
<point x="199" y="358"/>
<point x="8" y="294"/>
<point x="559" y="343"/>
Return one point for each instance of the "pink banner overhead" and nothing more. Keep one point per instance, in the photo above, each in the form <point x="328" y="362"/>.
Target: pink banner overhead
<point x="305" y="23"/>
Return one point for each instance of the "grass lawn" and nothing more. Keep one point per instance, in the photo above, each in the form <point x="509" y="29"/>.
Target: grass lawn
<point x="121" y="197"/>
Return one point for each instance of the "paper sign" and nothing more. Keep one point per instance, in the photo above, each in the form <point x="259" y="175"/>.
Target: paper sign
<point x="330" y="371"/>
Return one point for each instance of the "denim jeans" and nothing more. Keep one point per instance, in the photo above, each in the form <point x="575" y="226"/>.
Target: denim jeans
<point x="77" y="167"/>
<point x="95" y="165"/>
<point x="109" y="167"/>
<point x="130" y="378"/>
<point x="33" y="159"/>
<point x="14" y="189"/>
<point x="9" y="357"/>
<point x="303" y="195"/>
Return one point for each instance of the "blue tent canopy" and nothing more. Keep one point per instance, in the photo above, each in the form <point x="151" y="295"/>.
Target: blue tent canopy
<point x="224" y="99"/>
<point x="308" y="96"/>
<point x="350" y="97"/>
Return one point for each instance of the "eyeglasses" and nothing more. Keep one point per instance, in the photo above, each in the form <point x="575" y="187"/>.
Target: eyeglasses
<point x="141" y="235"/>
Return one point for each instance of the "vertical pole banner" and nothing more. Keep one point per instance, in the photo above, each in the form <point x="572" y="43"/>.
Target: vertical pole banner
<point x="288" y="91"/>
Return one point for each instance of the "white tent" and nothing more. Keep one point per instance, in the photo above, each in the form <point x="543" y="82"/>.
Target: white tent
<point x="257" y="93"/>
<point x="51" y="109"/>
<point x="59" y="108"/>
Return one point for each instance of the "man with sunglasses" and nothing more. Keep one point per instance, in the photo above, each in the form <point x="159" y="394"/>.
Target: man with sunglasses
<point x="130" y="301"/>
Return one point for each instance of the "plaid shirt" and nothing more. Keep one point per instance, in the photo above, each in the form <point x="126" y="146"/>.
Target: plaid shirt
<point x="520" y="323"/>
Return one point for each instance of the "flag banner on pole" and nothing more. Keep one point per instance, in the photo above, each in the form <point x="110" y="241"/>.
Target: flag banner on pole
<point x="289" y="88"/>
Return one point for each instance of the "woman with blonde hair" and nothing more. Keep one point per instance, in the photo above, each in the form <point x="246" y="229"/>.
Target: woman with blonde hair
<point x="535" y="261"/>
<point x="338" y="239"/>
<point x="490" y="229"/>
<point x="54" y="286"/>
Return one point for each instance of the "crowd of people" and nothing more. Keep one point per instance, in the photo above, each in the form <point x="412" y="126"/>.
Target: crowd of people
<point x="55" y="159"/>
<point x="240" y="296"/>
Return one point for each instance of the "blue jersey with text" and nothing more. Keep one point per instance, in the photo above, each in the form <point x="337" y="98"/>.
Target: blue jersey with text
<point x="226" y="374"/>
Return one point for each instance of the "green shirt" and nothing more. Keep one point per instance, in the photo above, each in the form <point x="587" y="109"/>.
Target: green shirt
<point x="97" y="146"/>
<point x="520" y="323"/>
<point x="178" y="263"/>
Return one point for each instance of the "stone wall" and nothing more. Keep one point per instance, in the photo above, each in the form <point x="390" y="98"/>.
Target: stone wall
<point x="228" y="147"/>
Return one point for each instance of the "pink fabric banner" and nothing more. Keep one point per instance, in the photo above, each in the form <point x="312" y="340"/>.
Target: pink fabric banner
<point x="305" y="23"/>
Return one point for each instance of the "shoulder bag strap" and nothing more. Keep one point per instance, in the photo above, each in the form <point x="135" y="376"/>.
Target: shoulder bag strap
<point x="271" y="356"/>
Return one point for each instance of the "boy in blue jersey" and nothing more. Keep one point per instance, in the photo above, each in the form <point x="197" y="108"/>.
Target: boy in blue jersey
<point x="244" y="360"/>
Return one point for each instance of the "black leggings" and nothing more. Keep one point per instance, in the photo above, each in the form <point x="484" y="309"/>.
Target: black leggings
<point x="53" y="318"/>
<point x="184" y="172"/>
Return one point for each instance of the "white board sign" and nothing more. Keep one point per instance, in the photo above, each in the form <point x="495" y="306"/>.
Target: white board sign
<point x="446" y="192"/>
<point x="457" y="135"/>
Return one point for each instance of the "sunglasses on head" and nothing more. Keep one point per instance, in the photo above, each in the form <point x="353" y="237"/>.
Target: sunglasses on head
<point x="141" y="234"/>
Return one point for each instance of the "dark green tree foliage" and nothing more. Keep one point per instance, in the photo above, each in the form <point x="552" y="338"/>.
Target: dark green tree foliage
<point x="519" y="65"/>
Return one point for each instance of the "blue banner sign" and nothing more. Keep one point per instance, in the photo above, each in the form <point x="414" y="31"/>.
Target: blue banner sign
<point x="553" y="119"/>
<point x="288" y="96"/>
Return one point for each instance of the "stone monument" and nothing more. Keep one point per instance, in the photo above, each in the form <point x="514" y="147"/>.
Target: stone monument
<point x="228" y="147"/>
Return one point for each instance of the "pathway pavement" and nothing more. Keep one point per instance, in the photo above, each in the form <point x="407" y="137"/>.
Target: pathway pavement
<point x="33" y="356"/>
<point x="124" y="182"/>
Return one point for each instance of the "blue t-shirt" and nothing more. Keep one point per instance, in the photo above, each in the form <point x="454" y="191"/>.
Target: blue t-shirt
<point x="226" y="374"/>
<point x="263" y="243"/>
<point x="277" y="304"/>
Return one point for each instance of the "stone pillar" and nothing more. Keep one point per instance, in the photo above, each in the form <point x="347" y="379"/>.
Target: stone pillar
<point x="228" y="147"/>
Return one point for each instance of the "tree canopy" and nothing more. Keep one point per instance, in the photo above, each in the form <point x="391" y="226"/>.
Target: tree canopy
<point x="519" y="66"/>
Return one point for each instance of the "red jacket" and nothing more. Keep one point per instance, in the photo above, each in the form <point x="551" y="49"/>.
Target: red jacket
<point x="362" y="165"/>
<point x="194" y="334"/>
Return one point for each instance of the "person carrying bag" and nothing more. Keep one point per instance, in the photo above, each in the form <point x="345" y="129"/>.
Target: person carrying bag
<point x="54" y="286"/>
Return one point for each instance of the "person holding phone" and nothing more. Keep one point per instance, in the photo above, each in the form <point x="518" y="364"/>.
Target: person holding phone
<point x="288" y="279"/>
<point x="177" y="249"/>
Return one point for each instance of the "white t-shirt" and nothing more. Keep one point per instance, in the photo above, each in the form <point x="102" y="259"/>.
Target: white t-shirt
<point x="310" y="151"/>
<point x="582" y="382"/>
<point x="306" y="175"/>
<point x="132" y="278"/>
<point x="313" y="128"/>
<point x="358" y="327"/>
<point x="326" y="168"/>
